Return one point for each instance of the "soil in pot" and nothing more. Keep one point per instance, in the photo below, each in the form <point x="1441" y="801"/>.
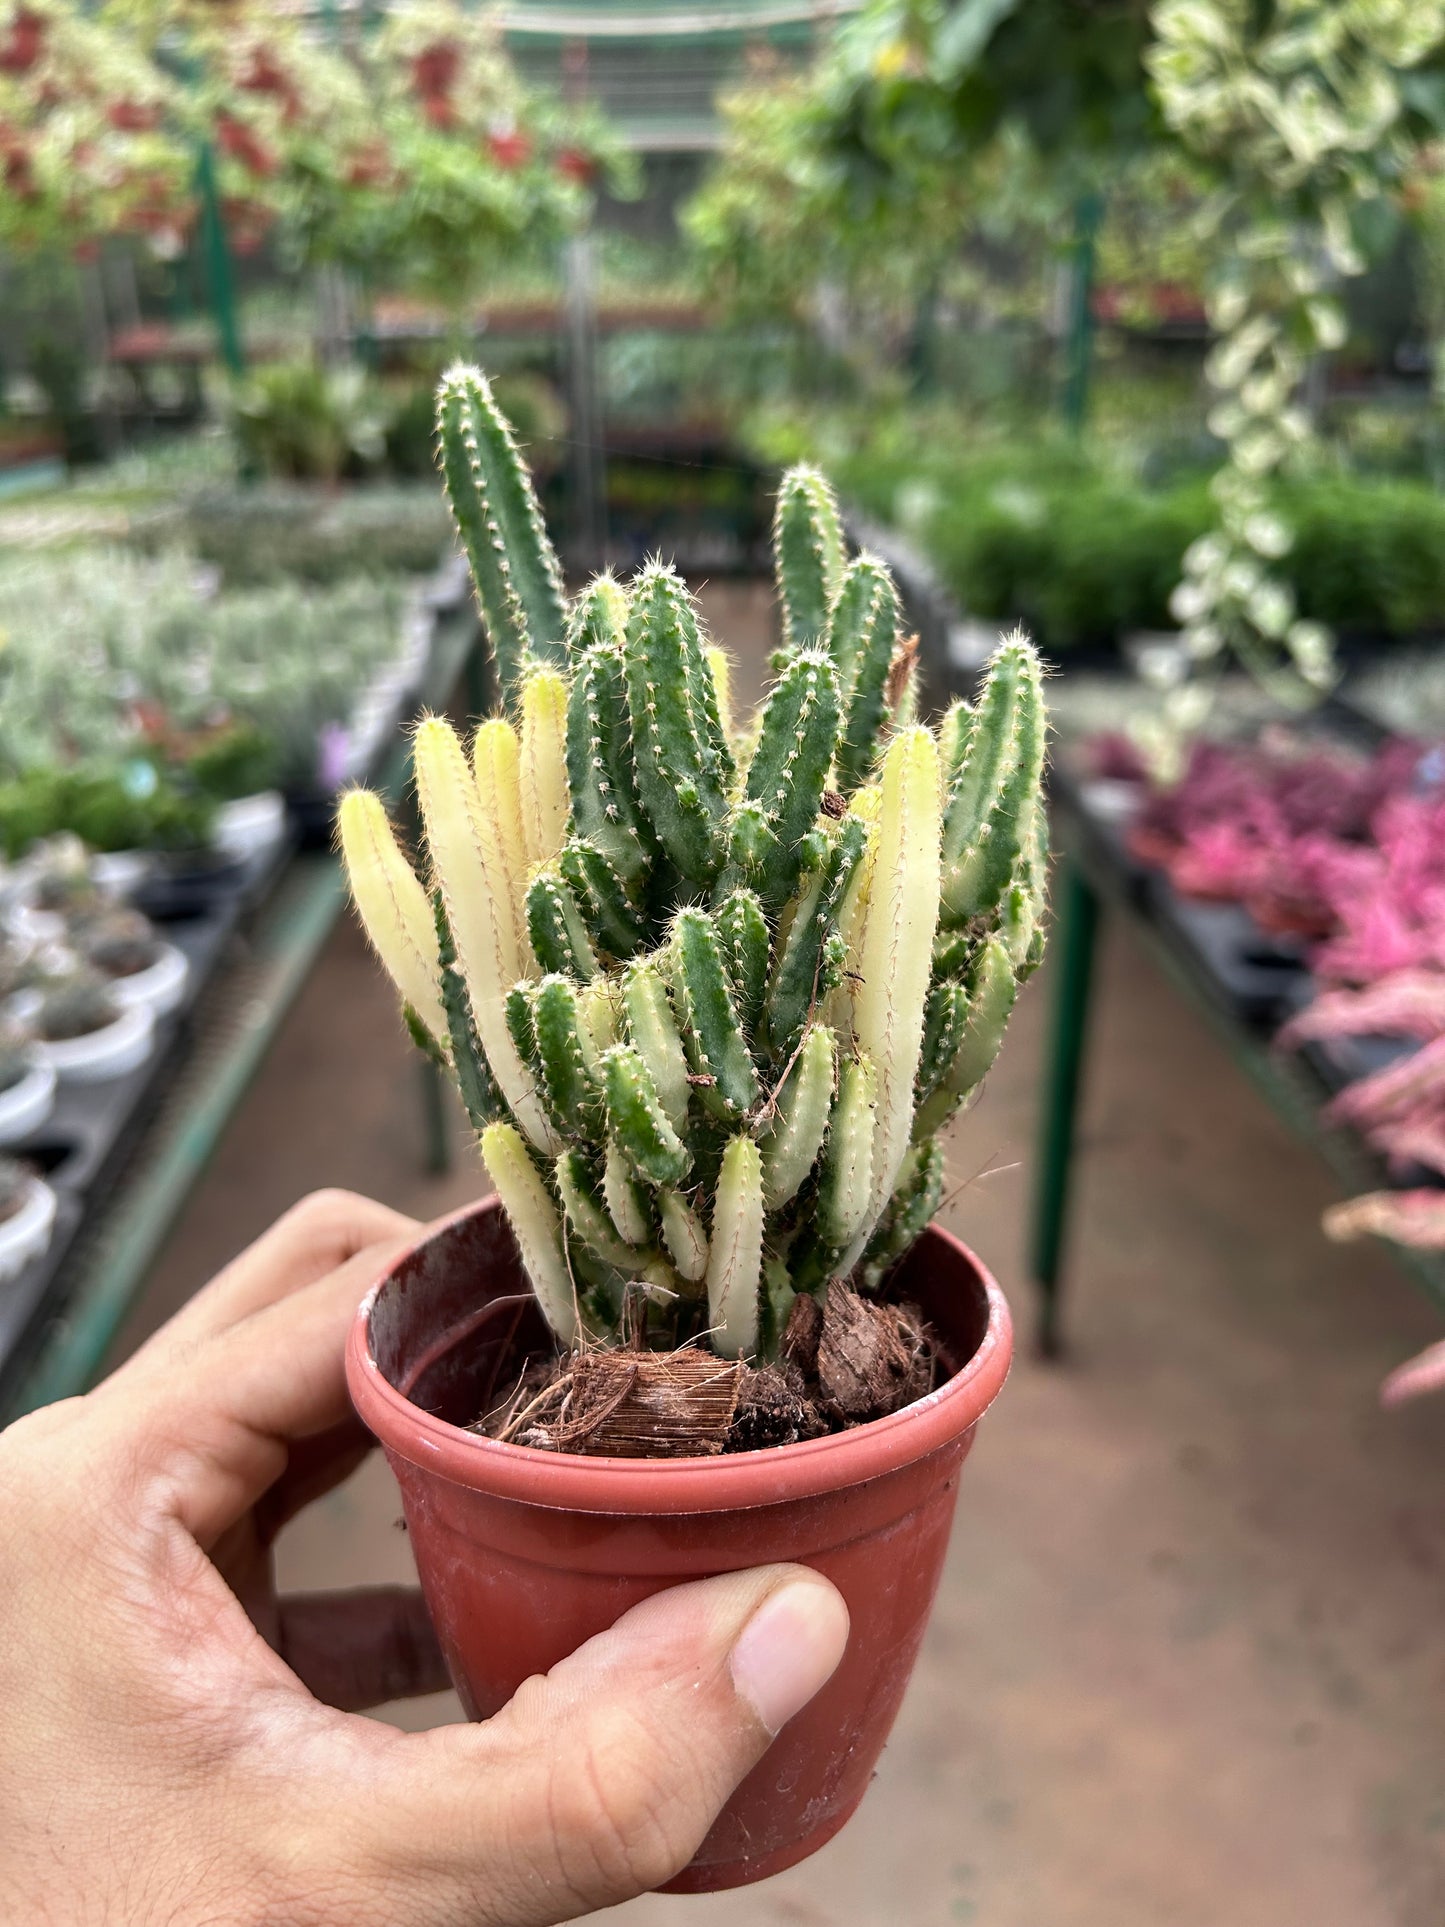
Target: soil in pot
<point x="843" y="1361"/>
<point x="78" y="1008"/>
<point x="121" y="943"/>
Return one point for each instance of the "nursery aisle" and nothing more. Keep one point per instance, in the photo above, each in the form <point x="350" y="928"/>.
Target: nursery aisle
<point x="1189" y="1638"/>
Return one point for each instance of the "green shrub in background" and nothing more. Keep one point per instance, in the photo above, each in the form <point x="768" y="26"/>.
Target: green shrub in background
<point x="279" y="532"/>
<point x="1068" y="540"/>
<point x="109" y="809"/>
<point x="300" y="420"/>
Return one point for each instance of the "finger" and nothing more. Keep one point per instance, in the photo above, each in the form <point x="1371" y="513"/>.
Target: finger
<point x="314" y="1467"/>
<point x="322" y="1231"/>
<point x="598" y="1782"/>
<point x="358" y="1649"/>
<point x="224" y="1431"/>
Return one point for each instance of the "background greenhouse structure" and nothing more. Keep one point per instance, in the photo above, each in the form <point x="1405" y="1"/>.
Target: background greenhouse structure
<point x="1121" y="325"/>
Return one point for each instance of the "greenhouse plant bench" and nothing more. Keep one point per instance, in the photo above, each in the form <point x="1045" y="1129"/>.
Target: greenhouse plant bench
<point x="1094" y="873"/>
<point x="206" y="1076"/>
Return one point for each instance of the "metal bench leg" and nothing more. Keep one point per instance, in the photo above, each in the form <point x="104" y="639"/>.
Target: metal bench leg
<point x="1074" y="935"/>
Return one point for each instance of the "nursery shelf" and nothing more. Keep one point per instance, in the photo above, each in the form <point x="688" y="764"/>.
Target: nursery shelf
<point x="1095" y="872"/>
<point x="105" y="1247"/>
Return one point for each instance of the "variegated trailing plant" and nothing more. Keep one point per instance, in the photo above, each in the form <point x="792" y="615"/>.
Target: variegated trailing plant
<point x="709" y="994"/>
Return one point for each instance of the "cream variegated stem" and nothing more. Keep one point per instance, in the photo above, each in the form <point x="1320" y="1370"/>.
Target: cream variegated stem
<point x="497" y="771"/>
<point x="623" y="1197"/>
<point x="535" y="1223"/>
<point x="545" y="800"/>
<point x="897" y="952"/>
<point x="392" y="906"/>
<point x="853" y="916"/>
<point x="469" y="870"/>
<point x="684" y="1236"/>
<point x="720" y="663"/>
<point x="735" y="1262"/>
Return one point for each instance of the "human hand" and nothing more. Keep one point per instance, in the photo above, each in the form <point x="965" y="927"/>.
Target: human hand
<point x="178" y="1747"/>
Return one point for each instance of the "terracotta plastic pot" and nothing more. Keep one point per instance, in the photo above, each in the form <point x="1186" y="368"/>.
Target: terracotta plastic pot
<point x="523" y="1554"/>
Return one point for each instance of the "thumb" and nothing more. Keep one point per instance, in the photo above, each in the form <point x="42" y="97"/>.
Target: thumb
<point x="599" y="1781"/>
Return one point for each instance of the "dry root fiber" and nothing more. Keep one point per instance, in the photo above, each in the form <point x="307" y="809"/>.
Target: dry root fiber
<point x="843" y="1362"/>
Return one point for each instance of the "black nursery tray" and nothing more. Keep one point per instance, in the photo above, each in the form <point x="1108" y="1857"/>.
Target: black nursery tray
<point x="1255" y="976"/>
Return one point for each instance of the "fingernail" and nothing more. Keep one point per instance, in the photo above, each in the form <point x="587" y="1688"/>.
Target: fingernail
<point x="788" y="1649"/>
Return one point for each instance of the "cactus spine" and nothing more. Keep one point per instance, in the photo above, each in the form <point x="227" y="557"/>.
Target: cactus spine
<point x="707" y="1024"/>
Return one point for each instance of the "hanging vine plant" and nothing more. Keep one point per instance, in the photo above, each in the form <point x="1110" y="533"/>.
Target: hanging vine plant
<point x="1301" y="113"/>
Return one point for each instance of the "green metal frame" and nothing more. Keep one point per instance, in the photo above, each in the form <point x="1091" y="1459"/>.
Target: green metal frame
<point x="1088" y="880"/>
<point x="288" y="936"/>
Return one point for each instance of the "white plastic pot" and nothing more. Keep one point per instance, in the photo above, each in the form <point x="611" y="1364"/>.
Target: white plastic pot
<point x="160" y="986"/>
<point x="250" y="824"/>
<point x="35" y="926"/>
<point x="25" y="1234"/>
<point x="120" y="1047"/>
<point x="118" y="872"/>
<point x="26" y="1105"/>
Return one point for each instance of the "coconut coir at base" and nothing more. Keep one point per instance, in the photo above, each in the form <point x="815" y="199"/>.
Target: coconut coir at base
<point x="841" y="1363"/>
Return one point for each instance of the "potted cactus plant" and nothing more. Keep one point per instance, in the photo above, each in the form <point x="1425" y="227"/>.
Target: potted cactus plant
<point x="85" y="1035"/>
<point x="709" y="995"/>
<point x="124" y="947"/>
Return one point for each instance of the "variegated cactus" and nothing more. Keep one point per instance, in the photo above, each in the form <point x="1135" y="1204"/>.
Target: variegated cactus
<point x="709" y="995"/>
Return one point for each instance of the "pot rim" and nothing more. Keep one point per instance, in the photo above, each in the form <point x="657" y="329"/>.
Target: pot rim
<point x="731" y="1482"/>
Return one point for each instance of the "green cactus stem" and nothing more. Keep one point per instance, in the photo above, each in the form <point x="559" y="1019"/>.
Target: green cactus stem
<point x="513" y="564"/>
<point x="598" y="617"/>
<point x="653" y="1031"/>
<point x="607" y="911"/>
<point x="714" y="1027"/>
<point x="556" y="926"/>
<point x="988" y="1002"/>
<point x="808" y="555"/>
<point x="735" y="1262"/>
<point x="571" y="1091"/>
<point x="747" y="950"/>
<point x="637" y="1122"/>
<point x="993" y="799"/>
<point x="862" y="636"/>
<point x="803" y="1106"/>
<point x="601" y="775"/>
<point x="587" y="1216"/>
<point x="789" y="771"/>
<point x="681" y="777"/>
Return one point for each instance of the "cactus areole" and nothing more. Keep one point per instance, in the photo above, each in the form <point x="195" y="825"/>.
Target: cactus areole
<point x="709" y="991"/>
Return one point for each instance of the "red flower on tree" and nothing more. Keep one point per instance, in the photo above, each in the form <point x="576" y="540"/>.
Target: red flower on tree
<point x="133" y="116"/>
<point x="434" y="70"/>
<point x="20" y="49"/>
<point x="233" y="137"/>
<point x="574" y="165"/>
<point x="509" y="151"/>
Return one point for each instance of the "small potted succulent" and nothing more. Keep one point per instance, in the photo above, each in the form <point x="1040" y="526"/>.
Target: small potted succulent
<point x="85" y="1035"/>
<point x="27" y="1216"/>
<point x="27" y="1088"/>
<point x="57" y="884"/>
<point x="709" y="995"/>
<point x="124" y="947"/>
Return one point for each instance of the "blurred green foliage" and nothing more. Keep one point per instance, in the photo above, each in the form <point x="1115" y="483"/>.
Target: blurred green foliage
<point x="1081" y="547"/>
